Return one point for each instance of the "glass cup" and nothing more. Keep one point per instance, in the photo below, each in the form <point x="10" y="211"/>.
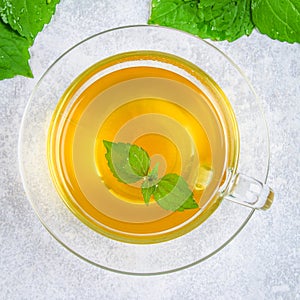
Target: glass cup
<point x="243" y="181"/>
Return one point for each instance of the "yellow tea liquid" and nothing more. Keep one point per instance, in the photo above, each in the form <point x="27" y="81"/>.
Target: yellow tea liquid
<point x="138" y="98"/>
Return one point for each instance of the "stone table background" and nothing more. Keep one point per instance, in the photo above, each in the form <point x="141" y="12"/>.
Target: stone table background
<point x="262" y="262"/>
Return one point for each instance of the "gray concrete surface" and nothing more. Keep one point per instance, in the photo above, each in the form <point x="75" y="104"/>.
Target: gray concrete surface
<point x="262" y="262"/>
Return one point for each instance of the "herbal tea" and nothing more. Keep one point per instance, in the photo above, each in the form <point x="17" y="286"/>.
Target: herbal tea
<point x="140" y="144"/>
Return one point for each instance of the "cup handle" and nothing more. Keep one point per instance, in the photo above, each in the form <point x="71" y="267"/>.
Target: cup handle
<point x="250" y="192"/>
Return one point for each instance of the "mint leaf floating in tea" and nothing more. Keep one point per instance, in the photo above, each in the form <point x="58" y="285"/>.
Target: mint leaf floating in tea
<point x="149" y="184"/>
<point x="139" y="160"/>
<point x="130" y="163"/>
<point x="172" y="193"/>
<point x="148" y="189"/>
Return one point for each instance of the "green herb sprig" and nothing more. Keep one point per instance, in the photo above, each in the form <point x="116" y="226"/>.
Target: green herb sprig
<point x="130" y="164"/>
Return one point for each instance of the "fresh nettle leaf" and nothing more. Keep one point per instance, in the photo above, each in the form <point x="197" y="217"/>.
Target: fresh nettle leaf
<point x="20" y="22"/>
<point x="280" y="20"/>
<point x="179" y="14"/>
<point x="14" y="53"/>
<point x="229" y="19"/>
<point x="217" y="20"/>
<point x="130" y="164"/>
<point x="27" y="17"/>
<point x="225" y="20"/>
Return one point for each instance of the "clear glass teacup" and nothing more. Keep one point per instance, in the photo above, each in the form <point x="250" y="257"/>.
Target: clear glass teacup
<point x="177" y="97"/>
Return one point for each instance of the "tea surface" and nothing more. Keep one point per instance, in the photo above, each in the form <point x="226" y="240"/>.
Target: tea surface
<point x="163" y="112"/>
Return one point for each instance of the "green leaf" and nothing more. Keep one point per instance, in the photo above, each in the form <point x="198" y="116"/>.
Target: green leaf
<point x="179" y="14"/>
<point x="217" y="20"/>
<point x="226" y="19"/>
<point x="139" y="160"/>
<point x="14" y="53"/>
<point x="128" y="163"/>
<point x="149" y="185"/>
<point x="280" y="20"/>
<point x="153" y="174"/>
<point x="172" y="193"/>
<point x="147" y="191"/>
<point x="28" y="17"/>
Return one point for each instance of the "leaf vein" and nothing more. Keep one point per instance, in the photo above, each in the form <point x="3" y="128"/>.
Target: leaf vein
<point x="276" y="16"/>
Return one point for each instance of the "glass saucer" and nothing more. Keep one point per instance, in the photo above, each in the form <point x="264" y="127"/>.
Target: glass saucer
<point x="139" y="259"/>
